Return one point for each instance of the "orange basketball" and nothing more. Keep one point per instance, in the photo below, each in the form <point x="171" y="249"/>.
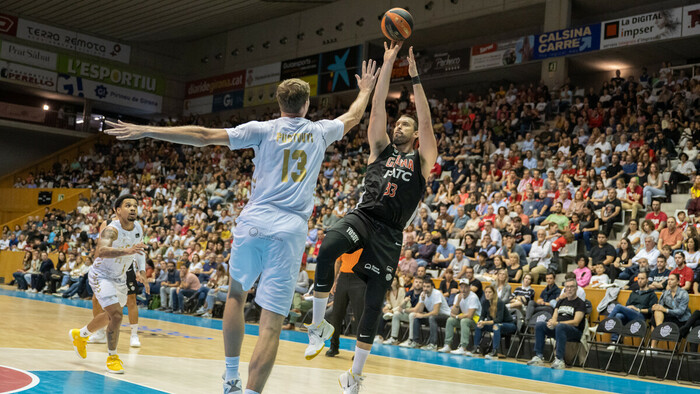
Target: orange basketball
<point x="397" y="24"/>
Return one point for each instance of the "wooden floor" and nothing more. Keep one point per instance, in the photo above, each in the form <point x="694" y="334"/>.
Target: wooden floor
<point x="186" y="358"/>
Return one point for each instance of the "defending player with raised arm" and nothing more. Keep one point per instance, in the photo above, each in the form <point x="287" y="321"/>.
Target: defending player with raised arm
<point x="119" y="244"/>
<point x="270" y="231"/>
<point x="391" y="190"/>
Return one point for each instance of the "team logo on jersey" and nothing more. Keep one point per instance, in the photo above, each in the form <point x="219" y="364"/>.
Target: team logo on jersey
<point x="253" y="232"/>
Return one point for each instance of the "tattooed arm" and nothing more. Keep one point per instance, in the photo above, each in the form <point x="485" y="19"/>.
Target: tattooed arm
<point x="104" y="245"/>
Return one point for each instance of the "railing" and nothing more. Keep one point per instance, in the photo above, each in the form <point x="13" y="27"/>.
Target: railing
<point x="48" y="117"/>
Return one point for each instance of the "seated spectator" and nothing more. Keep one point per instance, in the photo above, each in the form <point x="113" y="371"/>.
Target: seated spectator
<point x="557" y="216"/>
<point x="547" y="300"/>
<point x="503" y="289"/>
<point x="682" y="173"/>
<point x="432" y="309"/>
<point x="623" y="261"/>
<point x="522" y="295"/>
<point x="582" y="272"/>
<point x="672" y="235"/>
<point x="685" y="274"/>
<point x="654" y="186"/>
<point x="458" y="264"/>
<point x="407" y="266"/>
<point x="649" y="253"/>
<point x="444" y="254"/>
<point x="494" y="318"/>
<point x="77" y="278"/>
<point x="565" y="325"/>
<point x="39" y="279"/>
<point x="449" y="287"/>
<point x="638" y="305"/>
<point x="605" y="254"/>
<point x="395" y="299"/>
<point x="189" y="284"/>
<point x="168" y="288"/>
<point x="659" y="275"/>
<point x="474" y="284"/>
<point x="633" y="197"/>
<point x="510" y="246"/>
<point x="600" y="278"/>
<point x="426" y="249"/>
<point x="540" y="256"/>
<point x="657" y="216"/>
<point x="218" y="285"/>
<point x="515" y="271"/>
<point x="405" y="310"/>
<point x="672" y="306"/>
<point x="611" y="212"/>
<point x="464" y="314"/>
<point x="19" y="275"/>
<point x="589" y="226"/>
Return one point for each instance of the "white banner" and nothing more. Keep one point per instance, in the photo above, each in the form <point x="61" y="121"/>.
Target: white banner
<point x="652" y="26"/>
<point x="499" y="54"/>
<point x="261" y="75"/>
<point x="199" y="105"/>
<point x="25" y="75"/>
<point x="691" y="20"/>
<point x="28" y="55"/>
<point x="67" y="39"/>
<point x="80" y="87"/>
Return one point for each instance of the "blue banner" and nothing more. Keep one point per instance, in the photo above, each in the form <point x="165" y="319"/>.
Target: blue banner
<point x="226" y="101"/>
<point x="567" y="41"/>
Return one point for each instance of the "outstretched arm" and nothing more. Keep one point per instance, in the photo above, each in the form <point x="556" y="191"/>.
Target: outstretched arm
<point x="366" y="83"/>
<point x="376" y="132"/>
<point x="187" y="135"/>
<point x="104" y="247"/>
<point x="426" y="136"/>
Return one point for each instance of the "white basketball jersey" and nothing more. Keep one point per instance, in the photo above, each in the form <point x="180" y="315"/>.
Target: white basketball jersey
<point x="288" y="157"/>
<point x="116" y="267"/>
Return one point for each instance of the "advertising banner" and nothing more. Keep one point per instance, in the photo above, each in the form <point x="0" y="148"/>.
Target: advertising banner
<point x="399" y="71"/>
<point x="652" y="26"/>
<point x="260" y="95"/>
<point x="218" y="84"/>
<point x="567" y="41"/>
<point x="120" y="76"/>
<point x="199" y="105"/>
<point x="8" y="24"/>
<point x="299" y="67"/>
<point x="22" y="112"/>
<point x="27" y="55"/>
<point x="503" y="53"/>
<point x="338" y="69"/>
<point x="45" y="34"/>
<point x="691" y="20"/>
<point x="431" y="63"/>
<point x="97" y="90"/>
<point x="312" y="80"/>
<point x="29" y="76"/>
<point x="226" y="101"/>
<point x="262" y="75"/>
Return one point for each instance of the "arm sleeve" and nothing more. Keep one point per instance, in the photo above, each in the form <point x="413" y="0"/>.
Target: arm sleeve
<point x="682" y="305"/>
<point x="332" y="130"/>
<point x="244" y="136"/>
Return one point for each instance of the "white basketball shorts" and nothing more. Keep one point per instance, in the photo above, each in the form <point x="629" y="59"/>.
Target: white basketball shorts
<point x="108" y="291"/>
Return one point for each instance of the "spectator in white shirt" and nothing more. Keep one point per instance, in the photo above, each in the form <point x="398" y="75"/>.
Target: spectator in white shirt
<point x="540" y="256"/>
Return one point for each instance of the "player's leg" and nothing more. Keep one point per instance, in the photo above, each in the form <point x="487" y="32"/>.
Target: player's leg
<point x="265" y="351"/>
<point x="234" y="331"/>
<point x="133" y="309"/>
<point x="374" y="298"/>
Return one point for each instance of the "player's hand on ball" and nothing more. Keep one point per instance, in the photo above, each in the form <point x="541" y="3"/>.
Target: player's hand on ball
<point x="412" y="69"/>
<point x="125" y="131"/>
<point x="392" y="50"/>
<point x="370" y="72"/>
<point x="137" y="249"/>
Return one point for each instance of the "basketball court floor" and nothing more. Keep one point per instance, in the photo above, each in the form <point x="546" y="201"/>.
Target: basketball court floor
<point x="183" y="354"/>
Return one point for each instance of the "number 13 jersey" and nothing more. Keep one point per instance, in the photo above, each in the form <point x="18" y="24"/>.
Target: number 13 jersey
<point x="393" y="187"/>
<point x="288" y="157"/>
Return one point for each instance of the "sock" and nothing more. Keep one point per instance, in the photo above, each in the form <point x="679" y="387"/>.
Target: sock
<point x="112" y="352"/>
<point x="232" y="367"/>
<point x="319" y="310"/>
<point x="360" y="360"/>
<point x="249" y="391"/>
<point x="84" y="332"/>
<point x="134" y="329"/>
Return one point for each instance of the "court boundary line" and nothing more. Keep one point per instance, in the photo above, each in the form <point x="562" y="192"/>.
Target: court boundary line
<point x="584" y="380"/>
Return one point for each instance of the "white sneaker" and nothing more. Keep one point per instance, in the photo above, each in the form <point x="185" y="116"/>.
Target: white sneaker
<point x="135" y="341"/>
<point x="207" y="315"/>
<point x="611" y="348"/>
<point x="98" y="337"/>
<point x="558" y="364"/>
<point x="388" y="316"/>
<point x="233" y="386"/>
<point x="408" y="343"/>
<point x="536" y="361"/>
<point x="431" y="347"/>
<point x="350" y="383"/>
<point x="378" y="339"/>
<point x="390" y="341"/>
<point x="460" y="351"/>
<point x="445" y="349"/>
<point x="318" y="335"/>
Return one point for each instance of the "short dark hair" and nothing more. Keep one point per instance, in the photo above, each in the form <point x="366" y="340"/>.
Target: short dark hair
<point x="120" y="200"/>
<point x="412" y="117"/>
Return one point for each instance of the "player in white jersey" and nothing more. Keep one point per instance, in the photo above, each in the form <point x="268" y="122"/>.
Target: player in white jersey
<point x="117" y="247"/>
<point x="268" y="240"/>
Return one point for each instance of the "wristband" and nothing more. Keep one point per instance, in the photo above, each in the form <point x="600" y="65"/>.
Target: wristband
<point x="415" y="80"/>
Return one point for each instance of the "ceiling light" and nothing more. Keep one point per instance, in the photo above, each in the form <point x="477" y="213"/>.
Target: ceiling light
<point x="429" y="5"/>
<point x="319" y="32"/>
<point x="266" y="44"/>
<point x="300" y="36"/>
<point x="360" y="22"/>
<point x="283" y="40"/>
<point x="46" y="107"/>
<point x="339" y="26"/>
<point x="234" y="52"/>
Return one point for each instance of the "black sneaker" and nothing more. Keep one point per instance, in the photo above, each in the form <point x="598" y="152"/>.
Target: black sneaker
<point x="332" y="352"/>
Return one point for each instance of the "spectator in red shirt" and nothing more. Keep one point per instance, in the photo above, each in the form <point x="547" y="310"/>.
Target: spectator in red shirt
<point x="656" y="216"/>
<point x="314" y="252"/>
<point x="685" y="273"/>
<point x="633" y="197"/>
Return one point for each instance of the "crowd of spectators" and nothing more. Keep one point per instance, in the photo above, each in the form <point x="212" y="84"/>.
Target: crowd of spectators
<point x="523" y="174"/>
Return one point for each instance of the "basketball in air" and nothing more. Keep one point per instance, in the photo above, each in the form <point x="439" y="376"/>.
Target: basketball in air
<point x="397" y="24"/>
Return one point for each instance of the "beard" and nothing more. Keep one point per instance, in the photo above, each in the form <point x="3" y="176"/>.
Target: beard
<point x="402" y="139"/>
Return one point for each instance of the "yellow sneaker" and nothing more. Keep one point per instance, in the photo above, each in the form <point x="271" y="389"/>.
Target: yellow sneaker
<point x="114" y="364"/>
<point x="79" y="343"/>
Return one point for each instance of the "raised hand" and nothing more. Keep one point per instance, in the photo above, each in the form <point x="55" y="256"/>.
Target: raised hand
<point x="125" y="131"/>
<point x="412" y="69"/>
<point x="370" y="72"/>
<point x="391" y="51"/>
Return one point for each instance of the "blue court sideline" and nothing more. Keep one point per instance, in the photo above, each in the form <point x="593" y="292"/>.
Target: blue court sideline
<point x="564" y="377"/>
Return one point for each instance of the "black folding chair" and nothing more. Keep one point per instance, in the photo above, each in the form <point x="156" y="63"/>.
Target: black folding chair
<point x="633" y="329"/>
<point x="692" y="357"/>
<point x="666" y="332"/>
<point x="611" y="326"/>
<point x="529" y="333"/>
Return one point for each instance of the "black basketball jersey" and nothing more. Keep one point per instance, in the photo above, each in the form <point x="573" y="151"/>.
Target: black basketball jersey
<point x="393" y="187"/>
